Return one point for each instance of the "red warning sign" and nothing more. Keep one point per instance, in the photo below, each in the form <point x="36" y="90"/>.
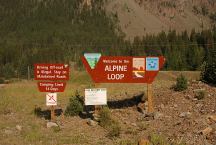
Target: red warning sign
<point x="121" y="69"/>
<point x="51" y="86"/>
<point x="51" y="71"/>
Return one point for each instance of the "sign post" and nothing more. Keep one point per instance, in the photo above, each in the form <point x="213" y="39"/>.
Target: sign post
<point x="150" y="98"/>
<point x="52" y="113"/>
<point x="50" y="75"/>
<point x="97" y="107"/>
<point x="122" y="69"/>
<point x="51" y="100"/>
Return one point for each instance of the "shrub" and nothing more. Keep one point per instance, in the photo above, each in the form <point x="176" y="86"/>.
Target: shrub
<point x="105" y="117"/>
<point x="142" y="126"/>
<point x="213" y="17"/>
<point x="114" y="130"/>
<point x="8" y="71"/>
<point x="203" y="71"/>
<point x="196" y="10"/>
<point x="158" y="140"/>
<point x="108" y="123"/>
<point x="2" y="81"/>
<point x="126" y="142"/>
<point x="56" y="129"/>
<point x="205" y="10"/>
<point x="131" y="131"/>
<point x="181" y="83"/>
<point x="46" y="114"/>
<point x="208" y="74"/>
<point x="37" y="111"/>
<point x="75" y="106"/>
<point x="200" y="94"/>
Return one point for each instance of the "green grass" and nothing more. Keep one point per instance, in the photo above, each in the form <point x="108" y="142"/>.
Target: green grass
<point x="126" y="142"/>
<point x="158" y="140"/>
<point x="74" y="139"/>
<point x="21" y="97"/>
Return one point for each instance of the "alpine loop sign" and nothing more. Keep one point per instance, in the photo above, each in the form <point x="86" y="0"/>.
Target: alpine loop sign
<point x="121" y="69"/>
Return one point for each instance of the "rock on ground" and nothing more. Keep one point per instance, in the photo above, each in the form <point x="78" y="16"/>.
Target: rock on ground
<point x="51" y="124"/>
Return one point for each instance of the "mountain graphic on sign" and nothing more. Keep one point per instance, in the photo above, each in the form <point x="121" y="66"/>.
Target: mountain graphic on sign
<point x="92" y="59"/>
<point x="138" y="67"/>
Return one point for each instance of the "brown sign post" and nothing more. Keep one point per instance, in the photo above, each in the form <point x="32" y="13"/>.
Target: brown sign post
<point x="52" y="113"/>
<point x="150" y="98"/>
<point x="97" y="107"/>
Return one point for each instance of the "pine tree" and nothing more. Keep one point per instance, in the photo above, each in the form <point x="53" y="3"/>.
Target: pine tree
<point x="209" y="72"/>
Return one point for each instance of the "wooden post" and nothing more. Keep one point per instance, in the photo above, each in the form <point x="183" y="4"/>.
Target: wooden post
<point x="150" y="98"/>
<point x="97" y="107"/>
<point x="52" y="113"/>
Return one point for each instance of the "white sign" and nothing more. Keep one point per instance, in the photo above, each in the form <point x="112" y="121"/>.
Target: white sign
<point x="95" y="96"/>
<point x="51" y="99"/>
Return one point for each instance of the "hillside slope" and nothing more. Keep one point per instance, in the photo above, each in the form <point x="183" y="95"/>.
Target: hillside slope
<point x="50" y="31"/>
<point x="139" y="17"/>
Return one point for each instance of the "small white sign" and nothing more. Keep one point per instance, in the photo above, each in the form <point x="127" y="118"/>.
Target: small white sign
<point x="51" y="99"/>
<point x="96" y="96"/>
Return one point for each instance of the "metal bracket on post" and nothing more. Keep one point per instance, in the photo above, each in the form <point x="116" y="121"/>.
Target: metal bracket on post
<point x="150" y="98"/>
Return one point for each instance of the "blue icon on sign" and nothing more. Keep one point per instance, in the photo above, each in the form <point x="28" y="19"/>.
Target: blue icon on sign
<point x="152" y="63"/>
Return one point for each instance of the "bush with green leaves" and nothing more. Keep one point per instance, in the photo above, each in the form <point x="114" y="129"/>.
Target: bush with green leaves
<point x="200" y="94"/>
<point x="127" y="142"/>
<point x="105" y="117"/>
<point x="56" y="129"/>
<point x="75" y="106"/>
<point x="208" y="74"/>
<point x="156" y="139"/>
<point x="37" y="111"/>
<point x="181" y="83"/>
<point x="108" y="123"/>
<point x="8" y="71"/>
<point x="2" y="81"/>
<point x="114" y="130"/>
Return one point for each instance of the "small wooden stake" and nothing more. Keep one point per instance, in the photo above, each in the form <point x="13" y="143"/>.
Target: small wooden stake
<point x="150" y="98"/>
